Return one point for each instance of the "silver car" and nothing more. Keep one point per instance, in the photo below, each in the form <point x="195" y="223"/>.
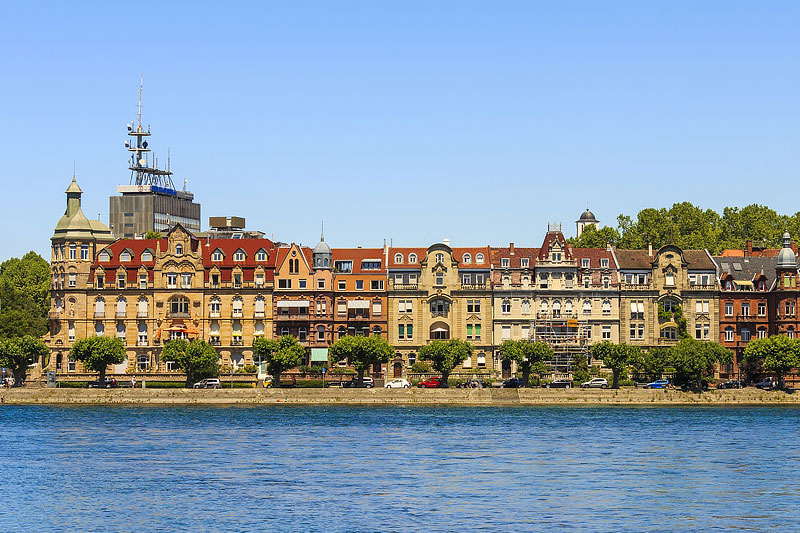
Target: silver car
<point x="208" y="383"/>
<point x="595" y="383"/>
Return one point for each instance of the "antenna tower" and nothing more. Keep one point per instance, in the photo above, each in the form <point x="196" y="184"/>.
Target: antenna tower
<point x="142" y="171"/>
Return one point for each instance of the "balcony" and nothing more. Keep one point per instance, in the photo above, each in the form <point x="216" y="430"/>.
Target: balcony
<point x="141" y="314"/>
<point x="142" y="342"/>
<point x="214" y="341"/>
<point x="405" y="286"/>
<point x="236" y="341"/>
<point x="361" y="315"/>
<point x="259" y="314"/>
<point x="473" y="286"/>
<point x="439" y="314"/>
<point x="237" y="313"/>
<point x="178" y="314"/>
<point x="121" y="314"/>
<point x="214" y="314"/>
<point x="635" y="286"/>
<point x="293" y="316"/>
<point x="745" y="318"/>
<point x="710" y="287"/>
<point x="99" y="314"/>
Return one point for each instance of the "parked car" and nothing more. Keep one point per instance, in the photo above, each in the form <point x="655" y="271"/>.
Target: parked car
<point x="473" y="384"/>
<point x="595" y="383"/>
<point x="767" y="384"/>
<point x="657" y="384"/>
<point x="732" y="384"/>
<point x="431" y="383"/>
<point x="366" y="383"/>
<point x="399" y="383"/>
<point x="109" y="383"/>
<point x="561" y="383"/>
<point x="208" y="383"/>
<point x="513" y="383"/>
<point x="692" y="385"/>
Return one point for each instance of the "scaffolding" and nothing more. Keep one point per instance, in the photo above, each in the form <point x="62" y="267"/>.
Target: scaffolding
<point x="567" y="335"/>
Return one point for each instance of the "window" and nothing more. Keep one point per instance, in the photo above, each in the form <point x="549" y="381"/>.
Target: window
<point x="568" y="307"/>
<point x="603" y="263"/>
<point x="543" y="280"/>
<point x="439" y="278"/>
<point x="586" y="280"/>
<point x="259" y="279"/>
<point x="179" y="249"/>
<point x="322" y="307"/>
<point x="477" y="331"/>
<point x="525" y="332"/>
<point x="670" y="333"/>
<point x="505" y="262"/>
<point x="343" y="266"/>
<point x="238" y="305"/>
<point x="506" y="307"/>
<point x="702" y="307"/>
<point x="98" y="328"/>
<point x="479" y="260"/>
<point x="301" y="283"/>
<point x="376" y="284"/>
<point x="72" y="281"/>
<point x="121" y="330"/>
<point x="84" y="252"/>
<point x="214" y="281"/>
<point x="506" y="333"/>
<point x="100" y="281"/>
<point x="790" y="332"/>
<point x="377" y="308"/>
<point x="370" y="264"/>
<point x="606" y="333"/>
<point x="585" y="262"/>
<point x="412" y="258"/>
<point x="120" y="280"/>
<point x="141" y="339"/>
<point x="238" y="256"/>
<point x="99" y="308"/>
<point x="237" y="280"/>
<point x="789" y="307"/>
<point x="556" y="308"/>
<point x="762" y="333"/>
<point x="473" y="306"/>
<point x="186" y="281"/>
<point x="405" y="306"/>
<point x="481" y="359"/>
<point x="260" y="305"/>
<point x="142" y="363"/>
<point x="342" y="285"/>
<point x="143" y="280"/>
<point x="216" y="256"/>
<point x="104" y="255"/>
<point x="284" y="331"/>
<point x="745" y="310"/>
<point x="524" y="262"/>
<point x="142" y="308"/>
<point x="284" y="284"/>
<point x="543" y="307"/>
<point x="729" y="334"/>
<point x="762" y="308"/>
<point x="466" y="279"/>
<point x="440" y="258"/>
<point x="71" y="331"/>
<point x="121" y="307"/>
<point x="147" y="255"/>
<point x="359" y="284"/>
<point x="587" y="307"/>
<point x="745" y="334"/>
<point x="398" y="258"/>
<point x="72" y="249"/>
<point x="341" y="307"/>
<point x="669" y="306"/>
<point x="302" y="334"/>
<point x="320" y="333"/>
<point x="669" y="279"/>
<point x="172" y="280"/>
<point x="261" y="255"/>
<point x="606" y="307"/>
<point x="728" y="308"/>
<point x="179" y="306"/>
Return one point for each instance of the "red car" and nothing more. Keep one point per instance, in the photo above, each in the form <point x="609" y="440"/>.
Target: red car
<point x="431" y="383"/>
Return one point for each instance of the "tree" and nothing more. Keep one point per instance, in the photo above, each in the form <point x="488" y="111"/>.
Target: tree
<point x="778" y="354"/>
<point x="614" y="356"/>
<point x="580" y="368"/>
<point x="96" y="353"/>
<point x="652" y="363"/>
<point x="18" y="354"/>
<point x="198" y="359"/>
<point x="24" y="296"/>
<point x="592" y="237"/>
<point x="446" y="355"/>
<point x="529" y="356"/>
<point x="153" y="235"/>
<point x="362" y="352"/>
<point x="280" y="355"/>
<point x="694" y="359"/>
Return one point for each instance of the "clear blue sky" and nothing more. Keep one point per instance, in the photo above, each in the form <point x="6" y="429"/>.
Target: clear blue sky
<point x="415" y="121"/>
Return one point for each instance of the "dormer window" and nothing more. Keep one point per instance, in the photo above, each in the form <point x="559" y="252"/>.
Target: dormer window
<point x="585" y="262"/>
<point x="238" y="256"/>
<point x="412" y="259"/>
<point x="555" y="256"/>
<point x="179" y="249"/>
<point x="439" y="278"/>
<point x="105" y="256"/>
<point x="398" y="258"/>
<point x="603" y="263"/>
<point x="261" y="255"/>
<point x="467" y="259"/>
<point x="524" y="262"/>
<point x="147" y="255"/>
<point x="440" y="258"/>
<point x="505" y="262"/>
<point x="125" y="256"/>
<point x="370" y="264"/>
<point x="216" y="256"/>
<point x="479" y="259"/>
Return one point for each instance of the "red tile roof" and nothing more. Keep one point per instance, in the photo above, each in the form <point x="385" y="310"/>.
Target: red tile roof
<point x="357" y="255"/>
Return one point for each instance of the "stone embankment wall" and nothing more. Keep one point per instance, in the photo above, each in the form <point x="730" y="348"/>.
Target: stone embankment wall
<point x="455" y="397"/>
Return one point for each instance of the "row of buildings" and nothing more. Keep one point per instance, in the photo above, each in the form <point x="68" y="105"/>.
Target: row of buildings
<point x="229" y="291"/>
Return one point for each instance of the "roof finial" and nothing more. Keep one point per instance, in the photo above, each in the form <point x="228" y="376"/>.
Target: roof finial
<point x="322" y="233"/>
<point x="74" y="170"/>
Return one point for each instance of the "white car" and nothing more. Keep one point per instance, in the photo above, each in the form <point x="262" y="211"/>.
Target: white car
<point x="399" y="383"/>
<point x="596" y="383"/>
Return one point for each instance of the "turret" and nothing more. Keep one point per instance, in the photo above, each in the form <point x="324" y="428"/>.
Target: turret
<point x="322" y="257"/>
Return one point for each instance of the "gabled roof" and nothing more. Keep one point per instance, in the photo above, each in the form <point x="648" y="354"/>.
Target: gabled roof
<point x="421" y="252"/>
<point x="283" y="251"/>
<point x="550" y="238"/>
<point x="357" y="255"/>
<point x="594" y="255"/>
<point x="514" y="258"/>
<point x="698" y="260"/>
<point x="634" y="259"/>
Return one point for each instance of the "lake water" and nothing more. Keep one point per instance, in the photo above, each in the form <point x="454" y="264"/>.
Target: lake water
<point x="399" y="468"/>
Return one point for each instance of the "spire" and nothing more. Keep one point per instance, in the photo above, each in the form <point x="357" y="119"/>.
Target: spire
<point x="322" y="233"/>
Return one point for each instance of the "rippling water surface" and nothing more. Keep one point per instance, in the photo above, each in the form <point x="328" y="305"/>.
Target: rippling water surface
<point x="396" y="468"/>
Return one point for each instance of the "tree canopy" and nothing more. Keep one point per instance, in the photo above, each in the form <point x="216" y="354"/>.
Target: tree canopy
<point x="361" y="351"/>
<point x="280" y="355"/>
<point x="198" y="359"/>
<point x="777" y="354"/>
<point x="529" y="356"/>
<point x="20" y="353"/>
<point x="24" y="296"/>
<point x="693" y="359"/>
<point x="96" y="353"/>
<point x="446" y="355"/>
<point x="615" y="356"/>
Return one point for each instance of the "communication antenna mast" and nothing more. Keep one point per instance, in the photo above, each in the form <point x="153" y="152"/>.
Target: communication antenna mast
<point x="142" y="172"/>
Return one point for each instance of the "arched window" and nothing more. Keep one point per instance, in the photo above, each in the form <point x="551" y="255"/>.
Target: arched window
<point x="670" y="333"/>
<point x="568" y="307"/>
<point x="466" y="258"/>
<point x="260" y="306"/>
<point x="142" y="363"/>
<point x="302" y="333"/>
<point x="479" y="258"/>
<point x="121" y="307"/>
<point x="261" y="255"/>
<point x="556" y="308"/>
<point x="398" y="258"/>
<point x="341" y="332"/>
<point x="412" y="258"/>
<point x="790" y="332"/>
<point x="142" y="334"/>
<point x="121" y="330"/>
<point x="587" y="307"/>
<point x="125" y="256"/>
<point x="99" y="308"/>
<point x="376" y="330"/>
<point x="440" y="258"/>
<point x="258" y="329"/>
<point x="179" y="249"/>
<point x="606" y="307"/>
<point x="543" y="306"/>
<point x="142" y="308"/>
<point x="284" y="330"/>
<point x="215" y="306"/>
<point x="320" y="333"/>
<point x="238" y="256"/>
<point x="105" y="256"/>
<point x="506" y="306"/>
<point x="98" y="328"/>
<point x="729" y="332"/>
<point x="214" y="333"/>
<point x="238" y="305"/>
<point x="526" y="307"/>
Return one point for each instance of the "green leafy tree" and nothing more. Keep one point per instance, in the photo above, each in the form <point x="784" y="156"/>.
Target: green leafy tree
<point x="652" y="363"/>
<point x="615" y="357"/>
<point x="580" y="368"/>
<point x="592" y="237"/>
<point x="694" y="359"/>
<point x="24" y="296"/>
<point x="19" y="354"/>
<point x="153" y="235"/>
<point x="280" y="355"/>
<point x="96" y="353"/>
<point x="777" y="354"/>
<point x="446" y="355"/>
<point x="420" y="367"/>
<point x="528" y="356"/>
<point x="362" y="352"/>
<point x="198" y="359"/>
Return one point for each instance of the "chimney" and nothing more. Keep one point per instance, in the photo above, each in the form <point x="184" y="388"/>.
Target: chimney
<point x="748" y="247"/>
<point x="650" y="249"/>
<point x="511" y="247"/>
<point x="446" y="242"/>
<point x="608" y="247"/>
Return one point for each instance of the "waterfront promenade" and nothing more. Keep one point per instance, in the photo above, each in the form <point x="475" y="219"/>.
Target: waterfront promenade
<point x="336" y="396"/>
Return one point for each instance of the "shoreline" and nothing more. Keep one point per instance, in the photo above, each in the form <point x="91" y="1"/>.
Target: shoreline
<point x="407" y="397"/>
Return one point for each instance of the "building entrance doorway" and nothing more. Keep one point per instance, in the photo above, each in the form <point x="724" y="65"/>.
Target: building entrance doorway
<point x="398" y="369"/>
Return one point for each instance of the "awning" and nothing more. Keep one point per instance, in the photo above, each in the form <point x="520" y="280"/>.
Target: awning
<point x="180" y="328"/>
<point x="743" y="283"/>
<point x="669" y="324"/>
<point x="358" y="304"/>
<point x="292" y="303"/>
<point x="439" y="330"/>
<point x="319" y="355"/>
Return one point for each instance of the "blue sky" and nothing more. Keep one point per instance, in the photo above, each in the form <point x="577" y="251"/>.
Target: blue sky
<point x="411" y="121"/>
